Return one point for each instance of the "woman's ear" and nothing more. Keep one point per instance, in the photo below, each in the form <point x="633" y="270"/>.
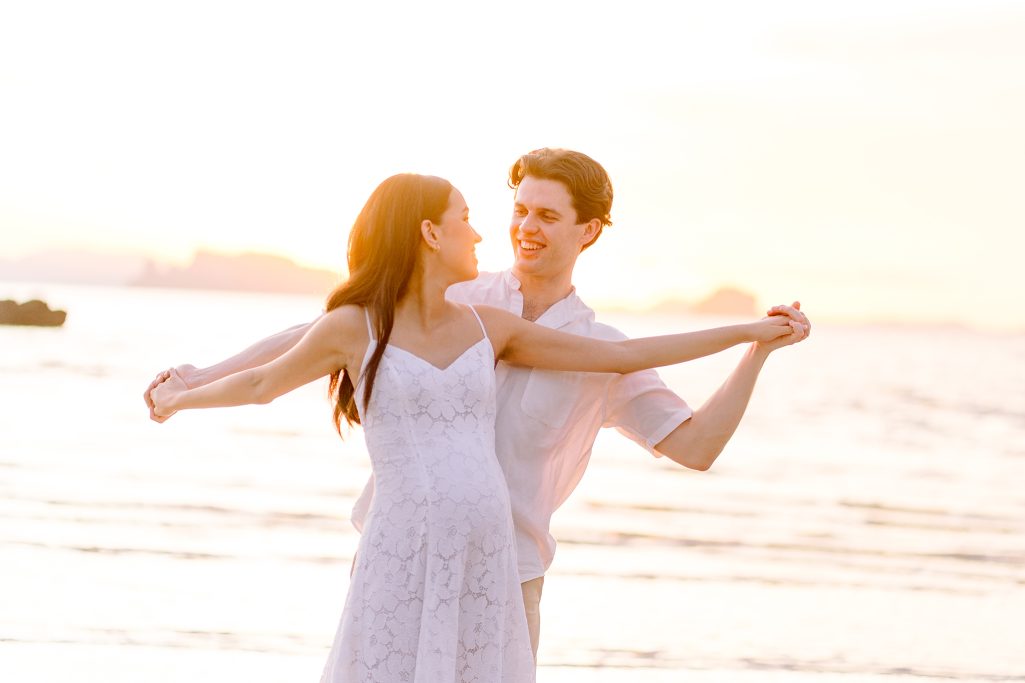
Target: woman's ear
<point x="429" y="235"/>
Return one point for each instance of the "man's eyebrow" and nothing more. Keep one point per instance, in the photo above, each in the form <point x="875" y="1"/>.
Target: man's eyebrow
<point x="543" y="209"/>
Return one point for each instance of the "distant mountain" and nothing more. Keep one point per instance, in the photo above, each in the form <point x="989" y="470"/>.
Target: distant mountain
<point x="247" y="272"/>
<point x="208" y="270"/>
<point x="726" y="301"/>
<point x="74" y="266"/>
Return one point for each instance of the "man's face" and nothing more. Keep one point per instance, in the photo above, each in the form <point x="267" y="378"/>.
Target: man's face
<point x="546" y="237"/>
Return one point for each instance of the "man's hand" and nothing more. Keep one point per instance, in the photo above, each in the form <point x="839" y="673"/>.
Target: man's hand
<point x="161" y="396"/>
<point x="799" y="322"/>
<point x="188" y="375"/>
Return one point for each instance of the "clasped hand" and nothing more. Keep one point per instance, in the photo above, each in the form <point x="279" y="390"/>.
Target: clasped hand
<point x="784" y="325"/>
<point x="164" y="388"/>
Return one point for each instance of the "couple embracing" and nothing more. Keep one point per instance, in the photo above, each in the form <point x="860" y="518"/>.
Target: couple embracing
<point x="480" y="396"/>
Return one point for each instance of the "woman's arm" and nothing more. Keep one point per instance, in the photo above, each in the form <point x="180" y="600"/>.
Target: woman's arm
<point x="257" y="354"/>
<point x="523" y="343"/>
<point x="326" y="347"/>
<point x="260" y="353"/>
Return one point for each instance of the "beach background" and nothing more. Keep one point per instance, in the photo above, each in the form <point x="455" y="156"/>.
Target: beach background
<point x="867" y="521"/>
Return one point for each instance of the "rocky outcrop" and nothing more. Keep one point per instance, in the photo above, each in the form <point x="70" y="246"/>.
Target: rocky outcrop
<point x="34" y="312"/>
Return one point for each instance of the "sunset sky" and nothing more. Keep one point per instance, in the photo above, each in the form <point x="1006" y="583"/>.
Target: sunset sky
<point x="865" y="157"/>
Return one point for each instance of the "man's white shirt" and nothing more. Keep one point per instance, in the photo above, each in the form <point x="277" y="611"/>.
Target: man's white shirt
<point x="547" y="420"/>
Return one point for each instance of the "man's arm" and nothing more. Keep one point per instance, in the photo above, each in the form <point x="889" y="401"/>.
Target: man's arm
<point x="329" y="347"/>
<point x="258" y="354"/>
<point x="697" y="442"/>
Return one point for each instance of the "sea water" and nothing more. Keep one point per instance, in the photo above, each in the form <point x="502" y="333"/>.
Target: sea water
<point x="866" y="522"/>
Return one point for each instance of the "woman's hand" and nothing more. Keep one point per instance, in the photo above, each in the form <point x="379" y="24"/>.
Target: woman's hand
<point x="793" y="316"/>
<point x="163" y="395"/>
<point x="792" y="311"/>
<point x="772" y="327"/>
<point x="189" y="373"/>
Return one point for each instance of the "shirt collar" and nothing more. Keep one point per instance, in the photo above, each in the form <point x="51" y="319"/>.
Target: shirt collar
<point x="563" y="312"/>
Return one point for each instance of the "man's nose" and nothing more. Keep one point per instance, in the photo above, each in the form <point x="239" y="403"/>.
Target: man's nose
<point x="528" y="223"/>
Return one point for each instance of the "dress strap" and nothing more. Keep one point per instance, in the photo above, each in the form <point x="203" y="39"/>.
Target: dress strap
<point x="370" y="328"/>
<point x="479" y="321"/>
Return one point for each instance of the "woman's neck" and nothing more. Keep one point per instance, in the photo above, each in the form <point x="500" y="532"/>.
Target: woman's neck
<point x="423" y="304"/>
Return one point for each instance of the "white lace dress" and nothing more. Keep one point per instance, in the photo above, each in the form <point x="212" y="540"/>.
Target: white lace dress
<point x="435" y="594"/>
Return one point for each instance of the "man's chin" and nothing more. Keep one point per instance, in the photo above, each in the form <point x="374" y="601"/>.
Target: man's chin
<point x="527" y="265"/>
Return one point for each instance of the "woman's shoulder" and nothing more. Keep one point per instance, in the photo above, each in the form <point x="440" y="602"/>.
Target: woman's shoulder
<point x="488" y="313"/>
<point x="498" y="323"/>
<point x="346" y="320"/>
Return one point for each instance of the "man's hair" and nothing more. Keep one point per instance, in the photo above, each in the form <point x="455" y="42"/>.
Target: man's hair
<point x="588" y="183"/>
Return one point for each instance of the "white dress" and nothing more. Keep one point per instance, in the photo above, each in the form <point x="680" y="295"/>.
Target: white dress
<point x="435" y="593"/>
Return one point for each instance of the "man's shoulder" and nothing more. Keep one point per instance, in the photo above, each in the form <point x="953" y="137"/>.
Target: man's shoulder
<point x="482" y="289"/>
<point x="585" y="323"/>
<point x="607" y="332"/>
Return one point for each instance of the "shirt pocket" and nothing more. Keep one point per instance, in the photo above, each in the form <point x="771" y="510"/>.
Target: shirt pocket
<point x="551" y="395"/>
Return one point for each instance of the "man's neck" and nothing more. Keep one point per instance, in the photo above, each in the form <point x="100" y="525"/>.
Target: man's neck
<point x="540" y="294"/>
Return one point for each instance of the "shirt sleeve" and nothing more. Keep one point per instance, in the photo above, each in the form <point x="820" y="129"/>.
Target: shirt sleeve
<point x="643" y="409"/>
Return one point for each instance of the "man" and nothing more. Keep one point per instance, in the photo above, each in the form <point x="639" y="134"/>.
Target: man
<point x="547" y="421"/>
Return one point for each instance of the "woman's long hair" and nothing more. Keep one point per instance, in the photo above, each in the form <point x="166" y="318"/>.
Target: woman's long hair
<point x="384" y="245"/>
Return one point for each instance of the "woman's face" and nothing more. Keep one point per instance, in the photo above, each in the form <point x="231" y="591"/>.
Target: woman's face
<point x="457" y="238"/>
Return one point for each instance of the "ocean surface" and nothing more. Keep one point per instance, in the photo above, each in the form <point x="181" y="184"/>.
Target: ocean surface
<point x="866" y="523"/>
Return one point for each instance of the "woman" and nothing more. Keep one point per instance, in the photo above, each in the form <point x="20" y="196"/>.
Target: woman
<point x="434" y="594"/>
